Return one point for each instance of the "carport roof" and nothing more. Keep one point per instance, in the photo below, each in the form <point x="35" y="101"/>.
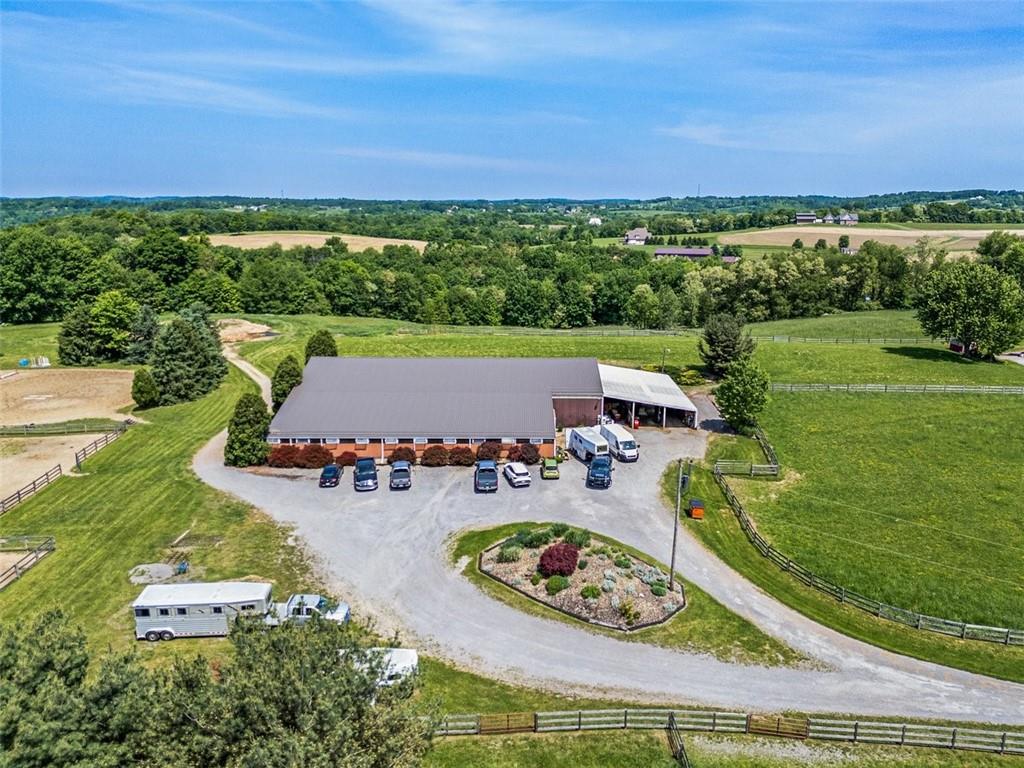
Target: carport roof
<point x="407" y="397"/>
<point x="644" y="387"/>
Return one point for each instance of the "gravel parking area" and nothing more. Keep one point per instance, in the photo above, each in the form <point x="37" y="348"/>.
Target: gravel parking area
<point x="387" y="553"/>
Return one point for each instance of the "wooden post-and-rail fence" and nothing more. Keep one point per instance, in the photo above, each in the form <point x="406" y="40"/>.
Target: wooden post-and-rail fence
<point x="23" y="493"/>
<point x="35" y="549"/>
<point x="101" y="442"/>
<point x="675" y="722"/>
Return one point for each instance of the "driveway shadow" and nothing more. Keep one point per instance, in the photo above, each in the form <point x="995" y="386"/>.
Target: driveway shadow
<point x="932" y="354"/>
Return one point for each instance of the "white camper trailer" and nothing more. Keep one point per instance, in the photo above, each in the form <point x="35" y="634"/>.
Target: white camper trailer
<point x="586" y="443"/>
<point x="167" y="611"/>
<point x="621" y="442"/>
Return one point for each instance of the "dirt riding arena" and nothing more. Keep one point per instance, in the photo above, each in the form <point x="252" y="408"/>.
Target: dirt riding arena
<point x="23" y="459"/>
<point x="233" y="330"/>
<point x="43" y="396"/>
<point x="355" y="243"/>
<point x="950" y="239"/>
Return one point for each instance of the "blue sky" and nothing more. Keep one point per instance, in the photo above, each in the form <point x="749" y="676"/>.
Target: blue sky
<point x="388" y="99"/>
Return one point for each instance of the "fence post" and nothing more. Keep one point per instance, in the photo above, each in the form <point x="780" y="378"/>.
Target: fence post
<point x="952" y="742"/>
<point x="536" y="722"/>
<point x="625" y="719"/>
<point x="856" y="730"/>
<point x="579" y="720"/>
<point x="903" y="734"/>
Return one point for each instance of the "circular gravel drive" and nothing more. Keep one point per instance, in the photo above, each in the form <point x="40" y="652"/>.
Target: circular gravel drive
<point x="387" y="551"/>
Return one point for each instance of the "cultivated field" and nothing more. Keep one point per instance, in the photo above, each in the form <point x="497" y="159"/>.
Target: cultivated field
<point x="951" y="239"/>
<point x="355" y="243"/>
<point x="43" y="396"/>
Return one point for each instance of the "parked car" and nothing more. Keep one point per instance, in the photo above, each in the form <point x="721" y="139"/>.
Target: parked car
<point x="401" y="476"/>
<point x="599" y="473"/>
<point x="485" y="477"/>
<point x="517" y="474"/>
<point x="330" y="476"/>
<point x="365" y="475"/>
<point x="549" y="470"/>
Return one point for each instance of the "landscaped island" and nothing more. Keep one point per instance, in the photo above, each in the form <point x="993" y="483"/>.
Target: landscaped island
<point x="577" y="573"/>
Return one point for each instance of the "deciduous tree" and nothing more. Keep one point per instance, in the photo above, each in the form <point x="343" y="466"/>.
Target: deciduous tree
<point x="974" y="303"/>
<point x="112" y="317"/>
<point x="743" y="394"/>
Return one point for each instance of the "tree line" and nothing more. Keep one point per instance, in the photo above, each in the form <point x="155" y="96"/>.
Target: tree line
<point x="289" y="695"/>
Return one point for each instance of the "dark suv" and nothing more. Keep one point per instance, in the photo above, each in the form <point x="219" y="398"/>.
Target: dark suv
<point x="365" y="475"/>
<point x="330" y="476"/>
<point x="599" y="473"/>
<point x="485" y="478"/>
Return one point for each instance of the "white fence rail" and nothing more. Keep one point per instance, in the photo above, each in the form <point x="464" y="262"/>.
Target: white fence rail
<point x="948" y="389"/>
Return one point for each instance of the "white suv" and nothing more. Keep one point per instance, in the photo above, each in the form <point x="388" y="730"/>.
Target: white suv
<point x="517" y="474"/>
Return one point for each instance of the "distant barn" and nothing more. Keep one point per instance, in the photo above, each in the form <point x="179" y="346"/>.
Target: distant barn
<point x="682" y="252"/>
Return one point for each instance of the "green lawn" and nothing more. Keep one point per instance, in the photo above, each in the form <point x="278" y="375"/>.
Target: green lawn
<point x="649" y="749"/>
<point x="19" y="341"/>
<point x="921" y="508"/>
<point x="785" y="362"/>
<point x="885" y="323"/>
<point x="705" y="626"/>
<point x="720" y="532"/>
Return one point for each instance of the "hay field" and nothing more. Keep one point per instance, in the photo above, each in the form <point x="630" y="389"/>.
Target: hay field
<point x="951" y="239"/>
<point x="49" y="395"/>
<point x="355" y="243"/>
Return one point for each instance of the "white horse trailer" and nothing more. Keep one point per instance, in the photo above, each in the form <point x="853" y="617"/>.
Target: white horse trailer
<point x="586" y="443"/>
<point x="167" y="611"/>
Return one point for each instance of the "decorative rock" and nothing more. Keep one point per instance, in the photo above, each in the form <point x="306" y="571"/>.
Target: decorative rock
<point x="631" y="590"/>
<point x="668" y="607"/>
<point x="487" y="567"/>
<point x="607" y="585"/>
<point x="609" y="575"/>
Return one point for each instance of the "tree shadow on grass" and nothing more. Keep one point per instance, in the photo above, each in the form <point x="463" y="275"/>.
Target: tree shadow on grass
<point x="932" y="354"/>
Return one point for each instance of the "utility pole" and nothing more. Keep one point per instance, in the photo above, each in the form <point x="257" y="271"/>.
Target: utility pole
<point x="680" y="485"/>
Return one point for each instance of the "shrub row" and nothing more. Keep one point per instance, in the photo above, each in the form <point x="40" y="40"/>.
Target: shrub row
<point x="305" y="457"/>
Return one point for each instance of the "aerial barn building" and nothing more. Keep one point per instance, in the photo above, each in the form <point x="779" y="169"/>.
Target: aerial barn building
<point x="372" y="405"/>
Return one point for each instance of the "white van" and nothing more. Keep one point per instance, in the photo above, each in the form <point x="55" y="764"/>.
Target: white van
<point x="621" y="443"/>
<point x="586" y="443"/>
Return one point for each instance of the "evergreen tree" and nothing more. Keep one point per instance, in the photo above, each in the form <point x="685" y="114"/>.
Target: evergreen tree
<point x="75" y="342"/>
<point x="743" y="394"/>
<point x="215" y="367"/>
<point x="724" y="342"/>
<point x="247" y="432"/>
<point x="144" y="390"/>
<point x="321" y="344"/>
<point x="287" y="376"/>
<point x="143" y="335"/>
<point x="183" y="363"/>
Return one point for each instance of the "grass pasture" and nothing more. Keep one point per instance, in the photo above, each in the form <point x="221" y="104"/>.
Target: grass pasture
<point x="921" y="507"/>
<point x="882" y="324"/>
<point x="290" y="239"/>
<point x="649" y="749"/>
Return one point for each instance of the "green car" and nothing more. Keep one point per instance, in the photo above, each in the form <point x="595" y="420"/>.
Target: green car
<point x="550" y="470"/>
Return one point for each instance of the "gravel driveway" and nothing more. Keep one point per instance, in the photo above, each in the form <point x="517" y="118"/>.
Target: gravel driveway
<point x="387" y="553"/>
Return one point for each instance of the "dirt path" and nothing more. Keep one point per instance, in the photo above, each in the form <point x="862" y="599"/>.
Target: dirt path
<point x="429" y="599"/>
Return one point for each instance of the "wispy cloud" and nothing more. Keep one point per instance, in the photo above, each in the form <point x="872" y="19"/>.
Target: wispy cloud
<point x="439" y="159"/>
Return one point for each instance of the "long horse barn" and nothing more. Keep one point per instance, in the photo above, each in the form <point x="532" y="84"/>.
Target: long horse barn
<point x="372" y="405"/>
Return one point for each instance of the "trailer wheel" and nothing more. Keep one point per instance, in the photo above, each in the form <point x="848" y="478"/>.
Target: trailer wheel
<point x="167" y="635"/>
<point x="152" y="636"/>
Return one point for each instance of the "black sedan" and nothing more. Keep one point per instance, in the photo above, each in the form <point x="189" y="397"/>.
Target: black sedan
<point x="330" y="476"/>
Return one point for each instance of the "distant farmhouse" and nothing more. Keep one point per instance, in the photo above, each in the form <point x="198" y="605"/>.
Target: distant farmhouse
<point x="594" y="221"/>
<point x="638" y="236"/>
<point x="678" y="252"/>
<point x="809" y="217"/>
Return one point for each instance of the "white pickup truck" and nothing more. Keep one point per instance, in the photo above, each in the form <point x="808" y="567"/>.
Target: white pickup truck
<point x="301" y="608"/>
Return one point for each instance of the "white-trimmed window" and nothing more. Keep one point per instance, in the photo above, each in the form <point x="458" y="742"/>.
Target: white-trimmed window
<point x="508" y="441"/>
<point x="536" y="440"/>
<point x="331" y="440"/>
<point x="274" y="440"/>
<point x="362" y="441"/>
<point x="477" y="441"/>
<point x="302" y="440"/>
<point x="390" y="441"/>
<point x="419" y="441"/>
<point x="450" y="441"/>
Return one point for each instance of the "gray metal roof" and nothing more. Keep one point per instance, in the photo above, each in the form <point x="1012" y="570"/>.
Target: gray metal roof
<point x="406" y="397"/>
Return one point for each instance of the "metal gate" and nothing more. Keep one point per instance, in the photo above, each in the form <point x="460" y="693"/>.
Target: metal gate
<point x="787" y="727"/>
<point x="509" y="722"/>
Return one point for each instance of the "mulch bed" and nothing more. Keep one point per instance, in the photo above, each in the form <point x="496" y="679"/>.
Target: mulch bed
<point x="623" y="580"/>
